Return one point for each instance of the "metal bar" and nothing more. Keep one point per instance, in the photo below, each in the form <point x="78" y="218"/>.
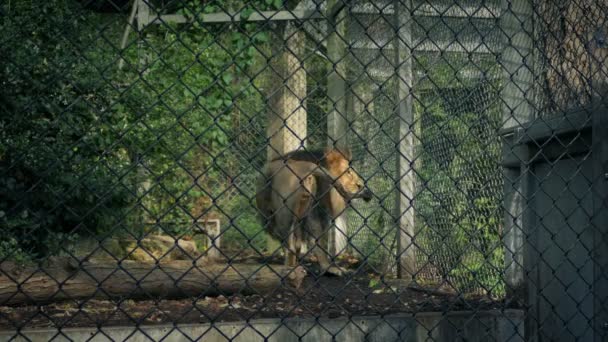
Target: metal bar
<point x="123" y="43"/>
<point x="516" y="23"/>
<point x="600" y="223"/>
<point x="531" y="153"/>
<point x="286" y="128"/>
<point x="545" y="128"/>
<point x="170" y="18"/>
<point x="214" y="240"/>
<point x="461" y="11"/>
<point x="143" y="14"/>
<point x="334" y="8"/>
<point x="405" y="159"/>
<point x="284" y="15"/>
<point x="218" y="18"/>
<point x="337" y="124"/>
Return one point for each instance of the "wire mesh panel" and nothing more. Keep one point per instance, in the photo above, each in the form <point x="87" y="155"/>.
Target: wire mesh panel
<point x="303" y="170"/>
<point x="457" y="112"/>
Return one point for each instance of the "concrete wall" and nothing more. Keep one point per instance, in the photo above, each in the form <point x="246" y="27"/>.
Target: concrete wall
<point x="560" y="224"/>
<point x="562" y="205"/>
<point x="433" y="326"/>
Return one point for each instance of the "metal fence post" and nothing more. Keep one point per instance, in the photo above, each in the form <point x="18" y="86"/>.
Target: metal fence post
<point x="518" y="109"/>
<point x="286" y="129"/>
<point x="405" y="160"/>
<point x="143" y="14"/>
<point x="600" y="221"/>
<point x="287" y="119"/>
<point x="337" y="117"/>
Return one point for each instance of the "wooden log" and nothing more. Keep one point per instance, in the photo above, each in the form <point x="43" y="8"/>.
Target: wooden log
<point x="64" y="280"/>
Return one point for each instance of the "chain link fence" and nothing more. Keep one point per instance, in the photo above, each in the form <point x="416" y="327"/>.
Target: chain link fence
<point x="139" y="136"/>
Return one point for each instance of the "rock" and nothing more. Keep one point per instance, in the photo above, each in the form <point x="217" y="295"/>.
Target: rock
<point x="157" y="247"/>
<point x="149" y="249"/>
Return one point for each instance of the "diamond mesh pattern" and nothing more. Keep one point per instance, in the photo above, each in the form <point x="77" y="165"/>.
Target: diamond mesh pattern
<point x="138" y="137"/>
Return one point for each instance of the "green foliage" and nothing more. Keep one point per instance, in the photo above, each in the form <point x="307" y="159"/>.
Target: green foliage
<point x="458" y="206"/>
<point x="10" y="249"/>
<point x="194" y="89"/>
<point x="57" y="157"/>
<point x="89" y="149"/>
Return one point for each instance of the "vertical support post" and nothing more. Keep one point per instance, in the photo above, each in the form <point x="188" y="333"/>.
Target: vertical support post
<point x="515" y="197"/>
<point x="286" y="128"/>
<point x="406" y="252"/>
<point x="287" y="119"/>
<point x="600" y="221"/>
<point x="143" y="14"/>
<point x="214" y="240"/>
<point x="336" y="80"/>
<point x="125" y="35"/>
<point x="142" y="181"/>
<point x="360" y="107"/>
<point x="517" y="60"/>
<point x="337" y="118"/>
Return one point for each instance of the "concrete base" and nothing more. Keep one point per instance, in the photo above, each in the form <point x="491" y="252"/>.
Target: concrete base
<point x="431" y="326"/>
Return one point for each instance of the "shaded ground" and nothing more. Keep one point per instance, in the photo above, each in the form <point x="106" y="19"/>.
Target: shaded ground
<point x="318" y="297"/>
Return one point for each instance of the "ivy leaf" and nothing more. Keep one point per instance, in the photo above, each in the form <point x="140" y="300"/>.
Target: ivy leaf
<point x="261" y="37"/>
<point x="246" y="13"/>
<point x="227" y="77"/>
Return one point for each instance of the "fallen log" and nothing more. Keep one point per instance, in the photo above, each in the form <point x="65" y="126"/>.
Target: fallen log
<point x="64" y="279"/>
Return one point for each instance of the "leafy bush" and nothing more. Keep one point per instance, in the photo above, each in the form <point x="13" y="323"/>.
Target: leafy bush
<point x="89" y="149"/>
<point x="58" y="163"/>
<point x="458" y="207"/>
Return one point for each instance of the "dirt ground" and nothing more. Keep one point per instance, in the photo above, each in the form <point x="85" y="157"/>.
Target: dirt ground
<point x="319" y="296"/>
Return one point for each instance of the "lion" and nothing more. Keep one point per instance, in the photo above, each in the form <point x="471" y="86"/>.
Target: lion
<point x="301" y="192"/>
